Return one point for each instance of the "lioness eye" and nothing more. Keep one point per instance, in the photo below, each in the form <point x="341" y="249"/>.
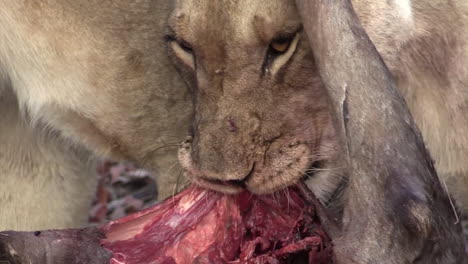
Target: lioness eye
<point x="281" y="45"/>
<point x="184" y="51"/>
<point x="280" y="51"/>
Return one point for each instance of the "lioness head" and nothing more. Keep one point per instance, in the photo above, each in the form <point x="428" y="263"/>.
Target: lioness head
<point x="261" y="115"/>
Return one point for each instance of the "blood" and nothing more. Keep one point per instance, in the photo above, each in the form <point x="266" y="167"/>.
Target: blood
<point x="202" y="226"/>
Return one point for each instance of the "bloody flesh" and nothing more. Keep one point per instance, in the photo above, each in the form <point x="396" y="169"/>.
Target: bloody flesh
<point x="202" y="226"/>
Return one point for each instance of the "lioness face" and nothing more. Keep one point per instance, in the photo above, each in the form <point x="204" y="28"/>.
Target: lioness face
<point x="260" y="109"/>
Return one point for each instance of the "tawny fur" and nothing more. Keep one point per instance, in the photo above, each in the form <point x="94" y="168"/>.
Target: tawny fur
<point x="424" y="43"/>
<point x="78" y="80"/>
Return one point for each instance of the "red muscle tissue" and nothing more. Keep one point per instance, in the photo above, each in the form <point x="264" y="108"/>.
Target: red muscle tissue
<point x="202" y="226"/>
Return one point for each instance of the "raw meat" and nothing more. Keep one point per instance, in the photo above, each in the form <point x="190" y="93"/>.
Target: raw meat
<point x="202" y="226"/>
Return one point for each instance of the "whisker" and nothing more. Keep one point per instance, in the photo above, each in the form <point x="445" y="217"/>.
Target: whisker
<point x="176" y="186"/>
<point x="275" y="197"/>
<point x="172" y="166"/>
<point x="286" y="190"/>
<point x="324" y="169"/>
<point x="151" y="152"/>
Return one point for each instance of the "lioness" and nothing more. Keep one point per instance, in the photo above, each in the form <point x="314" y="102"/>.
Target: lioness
<point x="262" y="120"/>
<point x="80" y="79"/>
